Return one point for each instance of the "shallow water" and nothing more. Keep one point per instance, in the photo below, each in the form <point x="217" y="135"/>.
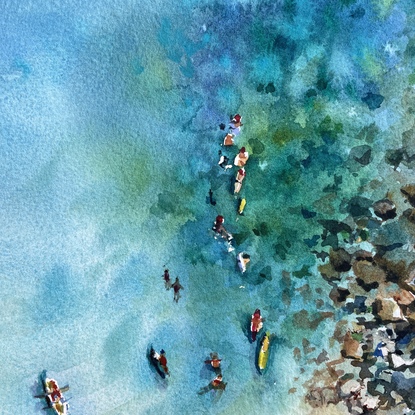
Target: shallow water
<point x="110" y="119"/>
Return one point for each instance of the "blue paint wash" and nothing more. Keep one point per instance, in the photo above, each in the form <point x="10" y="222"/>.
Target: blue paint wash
<point x="110" y="123"/>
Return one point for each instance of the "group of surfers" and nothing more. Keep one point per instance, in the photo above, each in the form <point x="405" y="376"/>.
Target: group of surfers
<point x="175" y="285"/>
<point x="241" y="158"/>
<point x="256" y="319"/>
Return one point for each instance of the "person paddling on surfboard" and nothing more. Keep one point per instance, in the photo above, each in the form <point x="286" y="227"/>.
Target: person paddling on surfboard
<point x="256" y="323"/>
<point x="220" y="229"/>
<point x="240" y="176"/>
<point x="216" y="384"/>
<point x="162" y="360"/>
<point x="214" y="361"/>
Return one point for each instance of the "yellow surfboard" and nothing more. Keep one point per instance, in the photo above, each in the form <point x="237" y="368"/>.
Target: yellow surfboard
<point x="242" y="206"/>
<point x="263" y="354"/>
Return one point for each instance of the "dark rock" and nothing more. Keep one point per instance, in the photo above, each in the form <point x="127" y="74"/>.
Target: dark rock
<point x="311" y="93"/>
<point x="382" y="249"/>
<point x="395" y="157"/>
<point x="281" y="42"/>
<point x="373" y="101"/>
<point x="367" y="287"/>
<point x="322" y="84"/>
<point x="359" y="207"/>
<point x="358" y="13"/>
<point x="307" y="214"/>
<point x="334" y="226"/>
<point x="260" y="87"/>
<point x="409" y="214"/>
<point x="312" y="241"/>
<point x="332" y="240"/>
<point x="357" y="306"/>
<point x="409" y="192"/>
<point x="361" y="154"/>
<point x="384" y="209"/>
<point x="405" y="387"/>
<point x="363" y="255"/>
<point x="266" y="273"/>
<point x="321" y="255"/>
<point x="270" y="88"/>
<point x="341" y="260"/>
<point x="339" y="295"/>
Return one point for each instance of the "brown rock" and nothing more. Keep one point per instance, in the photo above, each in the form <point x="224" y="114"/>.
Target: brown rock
<point x="328" y="272"/>
<point x="404" y="297"/>
<point x="384" y="209"/>
<point x="368" y="272"/>
<point x="409" y="192"/>
<point x="351" y="347"/>
<point x="388" y="310"/>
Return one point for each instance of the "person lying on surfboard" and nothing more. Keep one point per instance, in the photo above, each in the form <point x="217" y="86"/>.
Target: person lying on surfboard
<point x="235" y="124"/>
<point x="229" y="139"/>
<point x="241" y="158"/>
<point x="242" y="259"/>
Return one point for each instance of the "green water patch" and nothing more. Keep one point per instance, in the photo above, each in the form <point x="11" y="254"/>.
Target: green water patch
<point x="383" y="7"/>
<point x="372" y="66"/>
<point x="287" y="133"/>
<point x="368" y="133"/>
<point x="127" y="166"/>
<point x="174" y="208"/>
<point x="256" y="145"/>
<point x="329" y="130"/>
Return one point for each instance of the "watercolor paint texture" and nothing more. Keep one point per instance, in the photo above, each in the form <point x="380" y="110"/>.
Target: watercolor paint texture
<point x="111" y="120"/>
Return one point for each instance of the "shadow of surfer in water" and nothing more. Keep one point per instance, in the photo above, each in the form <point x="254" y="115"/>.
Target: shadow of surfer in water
<point x="209" y="199"/>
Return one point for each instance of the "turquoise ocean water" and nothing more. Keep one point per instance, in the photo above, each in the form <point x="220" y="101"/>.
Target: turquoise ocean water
<point x="110" y="115"/>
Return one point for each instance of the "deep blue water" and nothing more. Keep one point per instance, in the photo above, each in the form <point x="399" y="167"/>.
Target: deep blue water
<point x="109" y="116"/>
